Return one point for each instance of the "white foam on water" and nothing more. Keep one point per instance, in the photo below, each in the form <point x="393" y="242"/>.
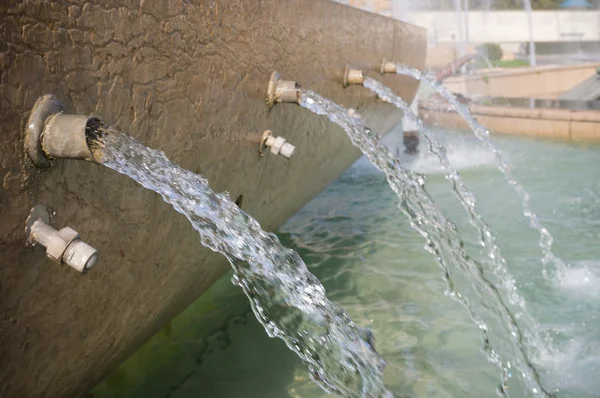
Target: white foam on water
<point x="582" y="278"/>
<point x="558" y="364"/>
<point x="573" y="367"/>
<point x="462" y="156"/>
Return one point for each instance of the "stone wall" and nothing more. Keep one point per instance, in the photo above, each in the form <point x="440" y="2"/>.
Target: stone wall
<point x="188" y="77"/>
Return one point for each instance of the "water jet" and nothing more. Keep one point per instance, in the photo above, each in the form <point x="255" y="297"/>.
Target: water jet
<point x="442" y="234"/>
<point x="410" y="131"/>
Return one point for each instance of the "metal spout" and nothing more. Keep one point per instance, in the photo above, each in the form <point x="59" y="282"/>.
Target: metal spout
<point x="62" y="247"/>
<point x="353" y="76"/>
<point x="387" y="67"/>
<point x="282" y="90"/>
<point x="52" y="134"/>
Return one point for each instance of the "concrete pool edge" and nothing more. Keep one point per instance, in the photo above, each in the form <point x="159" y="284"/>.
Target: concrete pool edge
<point x="564" y="124"/>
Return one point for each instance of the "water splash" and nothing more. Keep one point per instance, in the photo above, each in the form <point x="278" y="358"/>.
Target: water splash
<point x="582" y="279"/>
<point x="442" y="240"/>
<point x="286" y="298"/>
<point x="462" y="154"/>
<point x="546" y="239"/>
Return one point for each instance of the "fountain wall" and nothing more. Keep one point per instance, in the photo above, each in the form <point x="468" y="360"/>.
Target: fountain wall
<point x="189" y="78"/>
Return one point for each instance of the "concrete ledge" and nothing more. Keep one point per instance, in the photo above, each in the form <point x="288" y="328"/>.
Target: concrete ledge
<point x="550" y="123"/>
<point x="539" y="113"/>
<point x="538" y="82"/>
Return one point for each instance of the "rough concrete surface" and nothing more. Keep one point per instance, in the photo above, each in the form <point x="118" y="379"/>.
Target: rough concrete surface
<point x="188" y="77"/>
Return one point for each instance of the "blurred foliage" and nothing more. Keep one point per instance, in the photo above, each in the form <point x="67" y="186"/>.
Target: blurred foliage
<point x="509" y="63"/>
<point x="491" y="51"/>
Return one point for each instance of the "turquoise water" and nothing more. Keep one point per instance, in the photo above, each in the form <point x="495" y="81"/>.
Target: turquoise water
<point x="354" y="238"/>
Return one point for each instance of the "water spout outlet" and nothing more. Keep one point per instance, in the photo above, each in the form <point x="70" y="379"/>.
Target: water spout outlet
<point x="62" y="247"/>
<point x="282" y="90"/>
<point x="53" y="134"/>
<point x="353" y="76"/>
<point x="278" y="145"/>
<point x="388" y="67"/>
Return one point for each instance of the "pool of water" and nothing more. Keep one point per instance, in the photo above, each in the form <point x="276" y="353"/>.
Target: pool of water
<point x="354" y="238"/>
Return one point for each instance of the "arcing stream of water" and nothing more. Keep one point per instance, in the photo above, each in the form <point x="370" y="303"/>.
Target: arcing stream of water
<point x="498" y="266"/>
<point x="443" y="240"/>
<point x="482" y="133"/>
<point x="487" y="240"/>
<point x="286" y="298"/>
